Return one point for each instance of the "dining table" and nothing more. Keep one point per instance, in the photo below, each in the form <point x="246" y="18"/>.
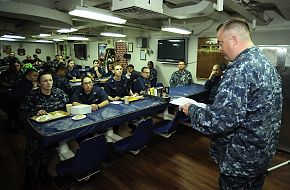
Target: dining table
<point x="66" y="128"/>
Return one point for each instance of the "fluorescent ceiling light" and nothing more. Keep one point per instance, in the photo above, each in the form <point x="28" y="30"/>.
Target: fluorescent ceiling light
<point x="176" y="30"/>
<point x="80" y="38"/>
<point x="96" y="14"/>
<point x="13" y="36"/>
<point x="43" y="41"/>
<point x="44" y="35"/>
<point x="67" y="30"/>
<point x="111" y="34"/>
<point x="6" y="39"/>
<point x="57" y="40"/>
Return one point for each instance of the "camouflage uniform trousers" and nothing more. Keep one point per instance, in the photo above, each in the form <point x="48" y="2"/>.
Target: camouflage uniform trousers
<point x="241" y="183"/>
<point x="36" y="153"/>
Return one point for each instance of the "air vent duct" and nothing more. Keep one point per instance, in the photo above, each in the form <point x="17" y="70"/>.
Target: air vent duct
<point x="138" y="7"/>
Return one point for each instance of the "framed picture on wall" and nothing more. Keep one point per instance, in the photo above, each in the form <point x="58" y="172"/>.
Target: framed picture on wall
<point x="130" y="47"/>
<point x="142" y="54"/>
<point x="102" y="50"/>
<point x="6" y="49"/>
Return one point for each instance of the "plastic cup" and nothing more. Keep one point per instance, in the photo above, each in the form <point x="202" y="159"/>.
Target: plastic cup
<point x="126" y="99"/>
<point x="68" y="108"/>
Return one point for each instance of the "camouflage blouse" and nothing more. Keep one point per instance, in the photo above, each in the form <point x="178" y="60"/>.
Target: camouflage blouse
<point x="245" y="118"/>
<point x="36" y="101"/>
<point x="180" y="78"/>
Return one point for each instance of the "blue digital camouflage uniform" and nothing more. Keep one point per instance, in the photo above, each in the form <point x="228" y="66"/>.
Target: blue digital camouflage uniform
<point x="245" y="118"/>
<point x="63" y="84"/>
<point x="153" y="77"/>
<point x="35" y="151"/>
<point x="180" y="78"/>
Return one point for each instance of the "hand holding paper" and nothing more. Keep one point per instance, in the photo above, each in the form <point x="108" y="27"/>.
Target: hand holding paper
<point x="184" y="103"/>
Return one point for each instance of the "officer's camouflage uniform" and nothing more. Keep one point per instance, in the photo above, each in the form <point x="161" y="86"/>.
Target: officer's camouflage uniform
<point x="244" y="119"/>
<point x="180" y="78"/>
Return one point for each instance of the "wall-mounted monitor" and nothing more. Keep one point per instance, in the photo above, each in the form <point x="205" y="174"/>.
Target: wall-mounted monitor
<point x="172" y="50"/>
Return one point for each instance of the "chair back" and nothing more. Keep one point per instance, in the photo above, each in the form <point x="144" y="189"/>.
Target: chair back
<point x="142" y="135"/>
<point x="90" y="156"/>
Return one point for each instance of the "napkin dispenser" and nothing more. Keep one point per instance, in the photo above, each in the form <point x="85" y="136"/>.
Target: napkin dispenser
<point x="81" y="109"/>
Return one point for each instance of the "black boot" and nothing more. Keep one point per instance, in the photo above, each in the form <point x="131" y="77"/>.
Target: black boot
<point x="30" y="182"/>
<point x="42" y="175"/>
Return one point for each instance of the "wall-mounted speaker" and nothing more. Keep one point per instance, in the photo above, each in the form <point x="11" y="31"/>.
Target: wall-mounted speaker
<point x="142" y="42"/>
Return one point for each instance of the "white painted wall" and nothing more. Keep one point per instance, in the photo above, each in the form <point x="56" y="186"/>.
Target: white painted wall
<point x="46" y="49"/>
<point x="164" y="70"/>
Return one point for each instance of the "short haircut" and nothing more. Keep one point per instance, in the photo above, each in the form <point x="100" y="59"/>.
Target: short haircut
<point x="130" y="65"/>
<point x="69" y="60"/>
<point x="43" y="73"/>
<point x="61" y="66"/>
<point x="143" y="68"/>
<point x="233" y="22"/>
<point x="150" y="62"/>
<point x="182" y="60"/>
<point x="86" y="76"/>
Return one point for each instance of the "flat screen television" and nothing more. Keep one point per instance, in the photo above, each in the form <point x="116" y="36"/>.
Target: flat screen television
<point x="172" y="50"/>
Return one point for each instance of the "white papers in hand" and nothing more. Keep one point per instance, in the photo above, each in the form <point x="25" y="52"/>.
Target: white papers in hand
<point x="182" y="101"/>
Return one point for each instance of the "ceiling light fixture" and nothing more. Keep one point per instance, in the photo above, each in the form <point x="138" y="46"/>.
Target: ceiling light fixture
<point x="44" y="35"/>
<point x="65" y="30"/>
<point x="7" y="39"/>
<point x="96" y="14"/>
<point x="79" y="38"/>
<point x="112" y="34"/>
<point x="43" y="41"/>
<point x="13" y="36"/>
<point x="57" y="40"/>
<point x="176" y="30"/>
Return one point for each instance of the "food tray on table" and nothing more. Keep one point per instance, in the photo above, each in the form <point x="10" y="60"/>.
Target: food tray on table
<point x="75" y="80"/>
<point x="50" y="116"/>
<point x="134" y="98"/>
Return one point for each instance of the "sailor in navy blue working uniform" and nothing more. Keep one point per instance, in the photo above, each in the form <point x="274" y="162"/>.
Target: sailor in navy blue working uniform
<point x="73" y="70"/>
<point x="118" y="85"/>
<point x="40" y="102"/>
<point x="153" y="74"/>
<point x="97" y="70"/>
<point x="245" y="118"/>
<point x="132" y="74"/>
<point x="213" y="82"/>
<point x="90" y="94"/>
<point x="142" y="83"/>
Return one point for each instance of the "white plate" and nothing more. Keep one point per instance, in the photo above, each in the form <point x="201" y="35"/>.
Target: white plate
<point x="79" y="117"/>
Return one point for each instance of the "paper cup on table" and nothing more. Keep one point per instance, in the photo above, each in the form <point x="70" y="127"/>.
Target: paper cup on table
<point x="68" y="108"/>
<point x="152" y="91"/>
<point x="126" y="99"/>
